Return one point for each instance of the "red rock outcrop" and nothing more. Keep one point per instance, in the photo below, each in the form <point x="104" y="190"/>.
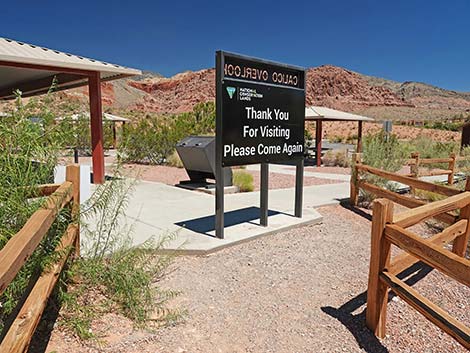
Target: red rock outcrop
<point x="329" y="86"/>
<point x="339" y="88"/>
<point x="177" y="94"/>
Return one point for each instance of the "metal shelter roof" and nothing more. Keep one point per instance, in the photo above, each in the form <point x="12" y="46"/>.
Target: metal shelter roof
<point x="32" y="68"/>
<point x="323" y="113"/>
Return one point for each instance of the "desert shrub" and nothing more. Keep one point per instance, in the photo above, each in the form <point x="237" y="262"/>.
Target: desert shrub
<point x="463" y="165"/>
<point x="243" y="180"/>
<point x="336" y="158"/>
<point x="29" y="150"/>
<point x="126" y="275"/>
<point x="444" y="125"/>
<point x="113" y="275"/>
<point x="351" y="138"/>
<point x="152" y="140"/>
<point x="383" y="151"/>
<point x="174" y="160"/>
<point x="428" y="148"/>
<point x="329" y="158"/>
<point x="336" y="139"/>
<point x="78" y="131"/>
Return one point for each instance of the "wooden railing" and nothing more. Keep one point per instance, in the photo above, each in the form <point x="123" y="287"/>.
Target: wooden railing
<point x="20" y="247"/>
<point x="358" y="183"/>
<point x="388" y="229"/>
<point x="416" y="162"/>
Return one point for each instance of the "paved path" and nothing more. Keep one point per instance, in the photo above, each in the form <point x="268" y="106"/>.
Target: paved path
<point x="157" y="209"/>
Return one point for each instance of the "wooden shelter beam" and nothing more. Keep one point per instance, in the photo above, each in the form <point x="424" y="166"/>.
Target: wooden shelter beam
<point x="318" y="138"/>
<point x="359" y="137"/>
<point x="96" y="121"/>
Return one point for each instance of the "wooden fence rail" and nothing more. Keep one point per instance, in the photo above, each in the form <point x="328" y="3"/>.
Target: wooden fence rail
<point x="388" y="229"/>
<point x="19" y="248"/>
<point x="358" y="183"/>
<point x="416" y="161"/>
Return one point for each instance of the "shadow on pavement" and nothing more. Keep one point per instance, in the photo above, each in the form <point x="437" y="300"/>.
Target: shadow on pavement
<point x="205" y="225"/>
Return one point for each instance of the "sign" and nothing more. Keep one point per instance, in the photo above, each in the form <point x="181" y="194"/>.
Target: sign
<point x="387" y="126"/>
<point x="260" y="110"/>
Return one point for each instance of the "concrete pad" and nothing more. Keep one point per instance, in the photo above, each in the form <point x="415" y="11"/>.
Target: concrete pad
<point x="208" y="188"/>
<point x="157" y="210"/>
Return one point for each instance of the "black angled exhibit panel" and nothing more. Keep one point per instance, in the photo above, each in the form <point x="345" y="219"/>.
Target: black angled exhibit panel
<point x="262" y="111"/>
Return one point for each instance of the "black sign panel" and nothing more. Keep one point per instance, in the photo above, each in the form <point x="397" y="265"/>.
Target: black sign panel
<point x="260" y="111"/>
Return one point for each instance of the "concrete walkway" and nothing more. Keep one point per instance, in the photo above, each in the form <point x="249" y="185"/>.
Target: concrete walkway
<point x="187" y="217"/>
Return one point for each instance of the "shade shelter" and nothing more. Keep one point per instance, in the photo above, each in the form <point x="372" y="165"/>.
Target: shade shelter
<point x="32" y="70"/>
<point x="321" y="114"/>
<point x="114" y="119"/>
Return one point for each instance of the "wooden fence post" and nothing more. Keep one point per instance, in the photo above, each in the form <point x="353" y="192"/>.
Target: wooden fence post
<point x="354" y="190"/>
<point x="377" y="291"/>
<point x="72" y="174"/>
<point x="461" y="242"/>
<point x="414" y="168"/>
<point x="450" y="177"/>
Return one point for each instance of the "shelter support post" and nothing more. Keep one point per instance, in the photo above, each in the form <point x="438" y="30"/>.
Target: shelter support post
<point x="299" y="187"/>
<point x="219" y="169"/>
<point x="114" y="136"/>
<point x="318" y="138"/>
<point x="264" y="194"/>
<point x="96" y="116"/>
<point x="359" y="137"/>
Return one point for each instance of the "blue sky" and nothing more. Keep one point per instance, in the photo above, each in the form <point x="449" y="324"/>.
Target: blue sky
<point x="427" y="41"/>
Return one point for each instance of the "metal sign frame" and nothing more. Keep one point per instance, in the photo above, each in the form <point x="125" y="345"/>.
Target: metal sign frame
<point x="264" y="173"/>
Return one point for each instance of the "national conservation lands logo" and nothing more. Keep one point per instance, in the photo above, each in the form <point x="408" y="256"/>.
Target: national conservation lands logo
<point x="231" y="91"/>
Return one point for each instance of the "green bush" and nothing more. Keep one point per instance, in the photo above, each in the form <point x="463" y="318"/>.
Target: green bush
<point x="336" y="158"/>
<point x="152" y="140"/>
<point x="444" y="125"/>
<point x="174" y="160"/>
<point x="112" y="269"/>
<point x="29" y="151"/>
<point x="243" y="180"/>
<point x="336" y="139"/>
<point x="428" y="148"/>
<point x="383" y="151"/>
<point x="124" y="276"/>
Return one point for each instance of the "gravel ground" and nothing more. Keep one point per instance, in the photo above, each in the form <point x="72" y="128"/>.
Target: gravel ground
<point x="298" y="291"/>
<point x="284" y="181"/>
<point x="329" y="170"/>
<point x="172" y="176"/>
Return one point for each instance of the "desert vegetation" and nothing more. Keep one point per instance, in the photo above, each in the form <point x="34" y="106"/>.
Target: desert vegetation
<point x="112" y="275"/>
<point x="243" y="180"/>
<point x="152" y="140"/>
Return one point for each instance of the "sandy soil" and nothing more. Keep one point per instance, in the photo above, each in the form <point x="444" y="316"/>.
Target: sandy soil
<point x="303" y="290"/>
<point x="283" y="181"/>
<point x="172" y="176"/>
<point x="329" y="170"/>
<point x="345" y="129"/>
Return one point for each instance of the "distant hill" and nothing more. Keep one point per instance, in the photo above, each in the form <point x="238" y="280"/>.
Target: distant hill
<point x="327" y="85"/>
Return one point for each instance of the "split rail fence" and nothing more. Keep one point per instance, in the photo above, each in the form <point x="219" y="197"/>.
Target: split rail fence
<point x="416" y="162"/>
<point x="388" y="229"/>
<point x="19" y="248"/>
<point x="359" y="183"/>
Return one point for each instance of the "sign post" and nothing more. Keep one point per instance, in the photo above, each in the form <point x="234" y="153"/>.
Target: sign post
<point x="260" y="107"/>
